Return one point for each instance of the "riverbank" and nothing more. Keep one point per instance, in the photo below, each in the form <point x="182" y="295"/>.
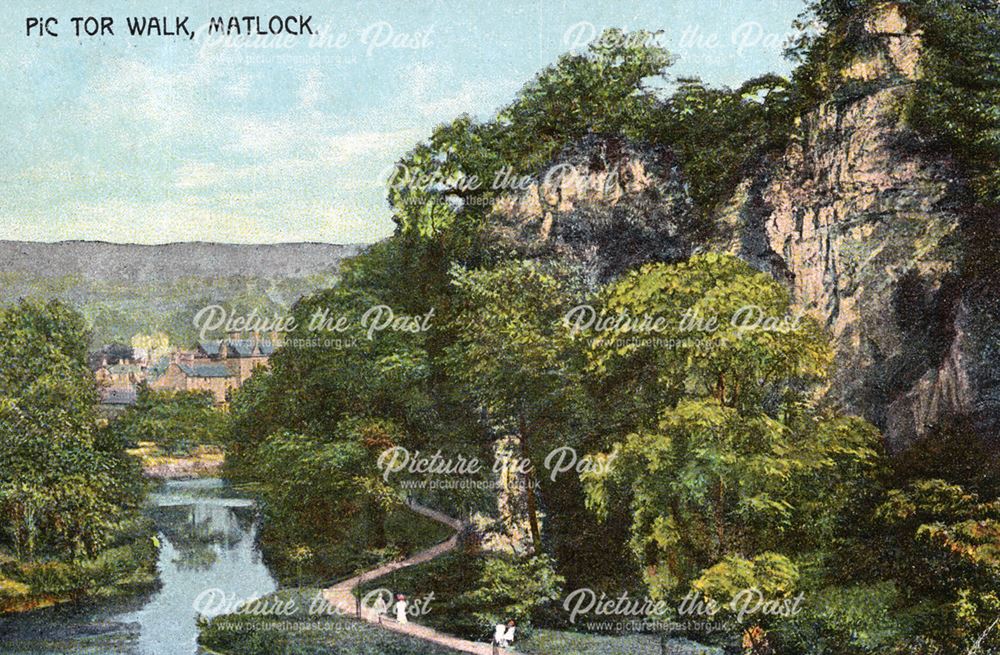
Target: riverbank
<point x="127" y="566"/>
<point x="202" y="462"/>
<point x="208" y="543"/>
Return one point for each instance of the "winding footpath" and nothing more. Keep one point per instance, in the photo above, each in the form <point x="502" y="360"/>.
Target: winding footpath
<point x="341" y="595"/>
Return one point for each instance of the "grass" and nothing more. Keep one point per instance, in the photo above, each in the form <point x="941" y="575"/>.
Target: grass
<point x="128" y="565"/>
<point x="302" y="632"/>
<point x="200" y="461"/>
<point x="545" y="642"/>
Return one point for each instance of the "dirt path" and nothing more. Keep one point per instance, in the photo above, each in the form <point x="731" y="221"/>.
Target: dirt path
<point x="342" y="597"/>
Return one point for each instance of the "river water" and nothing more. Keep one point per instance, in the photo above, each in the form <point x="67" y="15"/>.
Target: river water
<point x="207" y="535"/>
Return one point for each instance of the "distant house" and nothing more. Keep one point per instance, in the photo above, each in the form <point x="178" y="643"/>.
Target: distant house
<point x="120" y="375"/>
<point x="119" y="396"/>
<point x="241" y="355"/>
<point x="214" y="366"/>
<point x="115" y="400"/>
<point x="218" y="379"/>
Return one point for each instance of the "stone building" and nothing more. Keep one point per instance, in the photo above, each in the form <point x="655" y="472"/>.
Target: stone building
<point x="214" y="366"/>
<point x="241" y="355"/>
<point x="190" y="375"/>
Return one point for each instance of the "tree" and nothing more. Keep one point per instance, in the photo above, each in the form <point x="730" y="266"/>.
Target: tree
<point x="709" y="327"/>
<point x="171" y="419"/>
<point x="513" y="589"/>
<point x="63" y="489"/>
<point x="738" y="473"/>
<point x="722" y="135"/>
<point x="335" y="483"/>
<point x="517" y="362"/>
<point x="605" y="89"/>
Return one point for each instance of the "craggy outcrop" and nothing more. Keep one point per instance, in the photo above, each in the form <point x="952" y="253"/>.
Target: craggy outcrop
<point x="867" y="232"/>
<point x="605" y="204"/>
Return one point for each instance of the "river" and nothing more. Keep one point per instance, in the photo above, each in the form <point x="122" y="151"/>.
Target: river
<point x="207" y="535"/>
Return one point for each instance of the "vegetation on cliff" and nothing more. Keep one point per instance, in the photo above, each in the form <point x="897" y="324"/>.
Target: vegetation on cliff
<point x="719" y="464"/>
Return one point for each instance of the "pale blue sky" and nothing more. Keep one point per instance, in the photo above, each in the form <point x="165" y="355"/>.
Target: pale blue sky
<point x="151" y="140"/>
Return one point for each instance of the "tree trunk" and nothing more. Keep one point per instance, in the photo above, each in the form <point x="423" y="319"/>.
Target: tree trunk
<point x="529" y="481"/>
<point x="376" y="518"/>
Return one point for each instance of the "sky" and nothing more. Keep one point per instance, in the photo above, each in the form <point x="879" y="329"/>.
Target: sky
<point x="160" y="139"/>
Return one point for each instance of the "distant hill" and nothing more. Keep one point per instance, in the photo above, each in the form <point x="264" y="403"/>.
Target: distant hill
<point x="126" y="289"/>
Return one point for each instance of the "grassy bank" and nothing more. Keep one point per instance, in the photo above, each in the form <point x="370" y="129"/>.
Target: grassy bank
<point x="197" y="462"/>
<point x="127" y="565"/>
<point x="306" y="633"/>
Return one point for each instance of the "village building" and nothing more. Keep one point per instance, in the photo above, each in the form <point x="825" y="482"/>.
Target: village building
<point x="218" y="379"/>
<point x="243" y="356"/>
<point x="115" y="400"/>
<point x="214" y="366"/>
<point x="124" y="374"/>
<point x="118" y="396"/>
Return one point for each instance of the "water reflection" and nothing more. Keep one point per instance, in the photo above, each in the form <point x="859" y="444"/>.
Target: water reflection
<point x="207" y="536"/>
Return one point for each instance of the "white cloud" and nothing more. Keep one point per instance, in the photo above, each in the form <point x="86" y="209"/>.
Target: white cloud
<point x="430" y="91"/>
<point x="311" y="89"/>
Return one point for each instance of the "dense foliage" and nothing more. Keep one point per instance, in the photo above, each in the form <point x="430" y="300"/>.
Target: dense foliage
<point x="718" y="467"/>
<point x="174" y="420"/>
<point x="68" y="492"/>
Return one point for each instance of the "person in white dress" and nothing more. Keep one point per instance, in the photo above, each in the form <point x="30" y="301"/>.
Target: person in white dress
<point x="503" y="635"/>
<point x="401" y="608"/>
<point x="381" y="607"/>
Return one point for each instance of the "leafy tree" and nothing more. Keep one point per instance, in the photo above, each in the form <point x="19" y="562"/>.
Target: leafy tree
<point x="605" y="89"/>
<point x="941" y="546"/>
<point x="324" y="376"/>
<point x="513" y="589"/>
<point x="722" y="135"/>
<point x="517" y="362"/>
<point x="734" y="475"/>
<point x="333" y="482"/>
<point x="63" y="489"/>
<point x="173" y="419"/>
<point x="710" y="327"/>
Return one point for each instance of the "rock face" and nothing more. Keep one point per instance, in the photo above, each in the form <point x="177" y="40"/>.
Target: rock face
<point x="606" y="205"/>
<point x="867" y="234"/>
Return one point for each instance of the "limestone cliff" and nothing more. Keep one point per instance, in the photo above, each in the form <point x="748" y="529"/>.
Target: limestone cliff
<point x="605" y="204"/>
<point x="867" y="233"/>
<point x="866" y="228"/>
